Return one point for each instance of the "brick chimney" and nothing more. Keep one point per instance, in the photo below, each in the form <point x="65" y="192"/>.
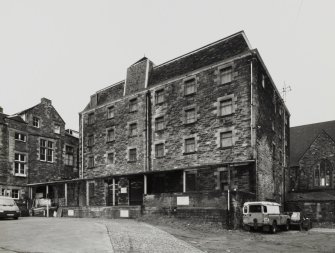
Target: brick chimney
<point x="45" y="101"/>
<point x="1" y="109"/>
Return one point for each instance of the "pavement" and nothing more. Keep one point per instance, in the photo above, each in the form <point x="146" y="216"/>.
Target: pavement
<point x="41" y="235"/>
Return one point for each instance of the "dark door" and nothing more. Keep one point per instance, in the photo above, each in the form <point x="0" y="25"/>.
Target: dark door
<point x="136" y="190"/>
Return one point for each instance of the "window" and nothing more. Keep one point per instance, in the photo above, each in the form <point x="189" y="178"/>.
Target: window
<point x="159" y="97"/>
<point x="226" y="75"/>
<point x="91" y="162"/>
<point x="20" y="137"/>
<point x="159" y="123"/>
<point x="69" y="155"/>
<point x="133" y="105"/>
<point x="57" y="129"/>
<point x="226" y="107"/>
<point x="110" y="158"/>
<point x="46" y="150"/>
<point x="226" y="139"/>
<point x="15" y="194"/>
<point x="133" y="129"/>
<point x="255" y="209"/>
<point x="91" y="118"/>
<point x="159" y="150"/>
<point x="224" y="180"/>
<point x="190" y="116"/>
<point x="132" y="155"/>
<point x="322" y="174"/>
<point x="36" y="122"/>
<point x="110" y="135"/>
<point x="189" y="87"/>
<point x="191" y="180"/>
<point x="190" y="145"/>
<point x="90" y="141"/>
<point x="20" y="163"/>
<point x="263" y="81"/>
<point x="110" y="112"/>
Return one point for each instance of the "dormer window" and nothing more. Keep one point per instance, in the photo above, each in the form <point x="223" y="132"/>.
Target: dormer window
<point x="36" y="122"/>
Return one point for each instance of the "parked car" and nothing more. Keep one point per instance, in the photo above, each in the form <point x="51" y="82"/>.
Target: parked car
<point x="8" y="208"/>
<point x="299" y="221"/>
<point x="264" y="216"/>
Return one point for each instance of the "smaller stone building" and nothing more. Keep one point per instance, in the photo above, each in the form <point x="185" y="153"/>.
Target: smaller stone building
<point x="311" y="175"/>
<point x="35" y="148"/>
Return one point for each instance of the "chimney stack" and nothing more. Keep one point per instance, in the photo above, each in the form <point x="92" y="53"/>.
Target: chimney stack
<point x="1" y="109"/>
<point x="45" y="101"/>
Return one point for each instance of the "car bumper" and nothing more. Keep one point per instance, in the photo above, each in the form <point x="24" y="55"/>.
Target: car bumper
<point x="9" y="214"/>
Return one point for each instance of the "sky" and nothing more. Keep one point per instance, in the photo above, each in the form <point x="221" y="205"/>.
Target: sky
<point x="66" y="50"/>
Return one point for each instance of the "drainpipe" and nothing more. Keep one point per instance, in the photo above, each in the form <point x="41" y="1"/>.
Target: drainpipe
<point x="253" y="136"/>
<point x="147" y="132"/>
<point x="82" y="145"/>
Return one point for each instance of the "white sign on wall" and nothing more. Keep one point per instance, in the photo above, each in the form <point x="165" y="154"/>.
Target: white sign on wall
<point x="124" y="190"/>
<point x="70" y="213"/>
<point x="124" y="213"/>
<point x="183" y="201"/>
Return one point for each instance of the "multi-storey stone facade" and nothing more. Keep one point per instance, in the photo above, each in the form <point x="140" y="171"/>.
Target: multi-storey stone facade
<point x="311" y="174"/>
<point x="35" y="148"/>
<point x="206" y="122"/>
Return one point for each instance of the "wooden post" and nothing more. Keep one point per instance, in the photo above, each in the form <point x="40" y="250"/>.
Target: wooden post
<point x="113" y="191"/>
<point x="184" y="181"/>
<point x="47" y="198"/>
<point x="145" y="185"/>
<point x="65" y="193"/>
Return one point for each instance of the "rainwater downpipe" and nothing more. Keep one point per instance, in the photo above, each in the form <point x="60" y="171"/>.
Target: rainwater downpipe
<point x="253" y="146"/>
<point x="82" y="145"/>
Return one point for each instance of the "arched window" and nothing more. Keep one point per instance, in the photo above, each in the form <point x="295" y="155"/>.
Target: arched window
<point x="322" y="174"/>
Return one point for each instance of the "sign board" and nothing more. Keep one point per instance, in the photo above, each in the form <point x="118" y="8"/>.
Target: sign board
<point x="124" y="190"/>
<point x="70" y="212"/>
<point x="124" y="213"/>
<point x="183" y="201"/>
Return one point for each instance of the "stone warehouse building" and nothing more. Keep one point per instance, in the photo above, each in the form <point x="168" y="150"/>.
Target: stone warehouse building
<point x="183" y="133"/>
<point x="35" y="148"/>
<point x="312" y="174"/>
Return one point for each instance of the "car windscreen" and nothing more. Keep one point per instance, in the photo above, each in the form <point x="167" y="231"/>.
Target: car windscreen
<point x="7" y="202"/>
<point x="255" y="209"/>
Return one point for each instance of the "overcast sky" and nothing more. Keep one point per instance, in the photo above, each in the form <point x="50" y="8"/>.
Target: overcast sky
<point x="66" y="50"/>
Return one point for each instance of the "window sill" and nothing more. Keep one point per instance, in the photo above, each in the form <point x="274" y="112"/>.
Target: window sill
<point x="110" y="141"/>
<point x="132" y="136"/>
<point x="189" y="153"/>
<point x="160" y="104"/>
<point x="159" y="157"/>
<point x="160" y="130"/>
<point x="20" y="141"/>
<point x="227" y="83"/>
<point x="132" y="161"/>
<point x="20" y="175"/>
<point x="226" y="115"/>
<point x="190" y="123"/>
<point x="190" y="95"/>
<point x="228" y="147"/>
<point x="133" y="111"/>
<point x="110" y="118"/>
<point x="46" y="161"/>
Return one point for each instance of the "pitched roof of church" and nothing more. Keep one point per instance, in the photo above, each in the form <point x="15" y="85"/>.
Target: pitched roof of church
<point x="301" y="137"/>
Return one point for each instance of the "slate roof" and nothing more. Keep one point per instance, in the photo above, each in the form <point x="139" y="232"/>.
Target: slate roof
<point x="301" y="137"/>
<point x="205" y="56"/>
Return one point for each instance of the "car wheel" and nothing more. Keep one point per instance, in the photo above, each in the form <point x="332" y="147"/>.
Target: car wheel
<point x="287" y="226"/>
<point x="274" y="228"/>
<point x="255" y="225"/>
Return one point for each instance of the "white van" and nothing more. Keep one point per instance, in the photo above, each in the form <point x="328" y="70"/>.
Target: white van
<point x="8" y="208"/>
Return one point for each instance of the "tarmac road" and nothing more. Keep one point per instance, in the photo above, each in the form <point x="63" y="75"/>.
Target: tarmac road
<point x="38" y="234"/>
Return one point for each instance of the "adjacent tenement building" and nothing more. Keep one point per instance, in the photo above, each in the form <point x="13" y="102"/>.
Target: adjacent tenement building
<point x="312" y="177"/>
<point x="35" y="148"/>
<point x="184" y="132"/>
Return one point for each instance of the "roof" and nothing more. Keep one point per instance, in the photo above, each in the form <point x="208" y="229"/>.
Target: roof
<point x="262" y="203"/>
<point x="310" y="196"/>
<point x="140" y="60"/>
<point x="301" y="137"/>
<point x="204" y="56"/>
